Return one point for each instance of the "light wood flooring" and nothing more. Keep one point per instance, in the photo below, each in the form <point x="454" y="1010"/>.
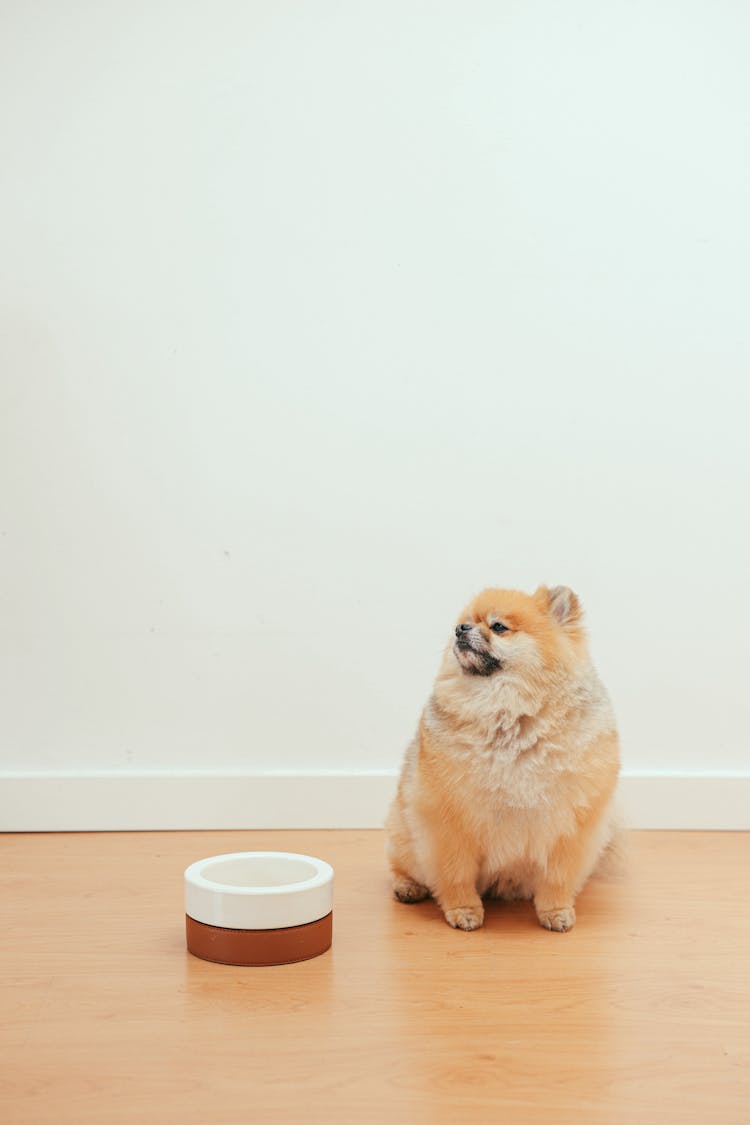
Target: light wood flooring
<point x="641" y="1014"/>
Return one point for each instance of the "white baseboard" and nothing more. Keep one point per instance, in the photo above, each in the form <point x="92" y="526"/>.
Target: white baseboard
<point x="91" y="801"/>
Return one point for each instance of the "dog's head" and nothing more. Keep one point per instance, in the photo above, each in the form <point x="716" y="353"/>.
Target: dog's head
<point x="522" y="633"/>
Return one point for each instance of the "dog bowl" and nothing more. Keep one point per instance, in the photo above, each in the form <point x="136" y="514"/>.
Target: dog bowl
<point x="259" y="908"/>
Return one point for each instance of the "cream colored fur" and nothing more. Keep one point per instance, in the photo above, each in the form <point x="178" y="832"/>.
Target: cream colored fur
<point x="507" y="788"/>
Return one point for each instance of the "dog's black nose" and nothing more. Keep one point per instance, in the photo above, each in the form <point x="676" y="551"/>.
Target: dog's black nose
<point x="464" y="628"/>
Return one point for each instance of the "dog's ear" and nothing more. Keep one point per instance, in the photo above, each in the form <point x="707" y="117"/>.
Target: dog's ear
<point x="562" y="604"/>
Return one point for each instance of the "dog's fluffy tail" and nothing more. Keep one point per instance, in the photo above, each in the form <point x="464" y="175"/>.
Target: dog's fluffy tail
<point x="613" y="861"/>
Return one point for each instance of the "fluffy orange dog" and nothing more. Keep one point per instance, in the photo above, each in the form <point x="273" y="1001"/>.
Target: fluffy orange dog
<point x="507" y="788"/>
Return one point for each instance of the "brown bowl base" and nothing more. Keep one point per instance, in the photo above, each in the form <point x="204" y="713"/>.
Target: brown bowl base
<point x="259" y="947"/>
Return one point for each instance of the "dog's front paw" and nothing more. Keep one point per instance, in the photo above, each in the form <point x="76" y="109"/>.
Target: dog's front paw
<point x="465" y="917"/>
<point x="559" y="918"/>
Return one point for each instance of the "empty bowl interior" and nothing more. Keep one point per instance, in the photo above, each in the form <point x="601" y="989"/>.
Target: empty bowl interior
<point x="259" y="871"/>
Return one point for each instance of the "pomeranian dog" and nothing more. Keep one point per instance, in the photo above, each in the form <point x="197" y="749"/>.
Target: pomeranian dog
<point x="507" y="787"/>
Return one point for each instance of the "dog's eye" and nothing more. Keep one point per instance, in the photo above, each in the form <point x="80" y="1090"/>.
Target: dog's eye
<point x="498" y="627"/>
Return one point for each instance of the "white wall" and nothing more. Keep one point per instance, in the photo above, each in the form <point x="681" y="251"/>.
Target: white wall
<point x="318" y="317"/>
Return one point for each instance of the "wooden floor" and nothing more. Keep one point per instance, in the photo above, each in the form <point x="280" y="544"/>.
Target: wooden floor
<point x="640" y="1014"/>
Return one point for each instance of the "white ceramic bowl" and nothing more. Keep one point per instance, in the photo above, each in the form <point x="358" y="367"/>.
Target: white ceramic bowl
<point x="258" y="890"/>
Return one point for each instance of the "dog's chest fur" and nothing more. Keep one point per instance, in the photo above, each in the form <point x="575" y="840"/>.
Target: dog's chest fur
<point x="515" y="754"/>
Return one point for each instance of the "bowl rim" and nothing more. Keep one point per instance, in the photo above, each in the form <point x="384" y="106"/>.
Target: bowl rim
<point x="323" y="875"/>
